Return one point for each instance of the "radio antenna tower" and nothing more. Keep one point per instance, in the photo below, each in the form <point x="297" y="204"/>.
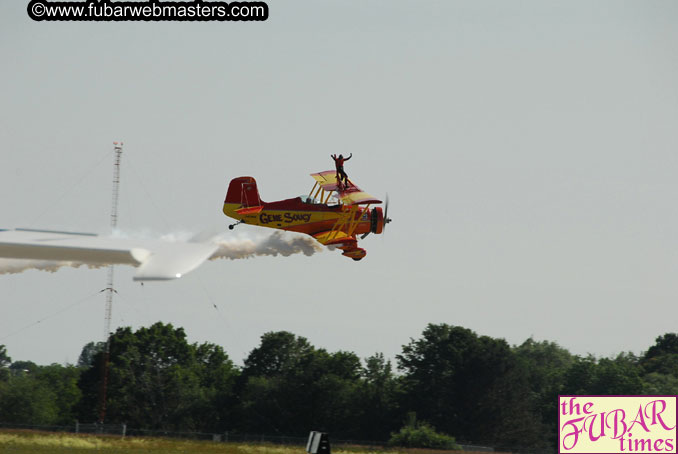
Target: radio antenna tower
<point x="117" y="147"/>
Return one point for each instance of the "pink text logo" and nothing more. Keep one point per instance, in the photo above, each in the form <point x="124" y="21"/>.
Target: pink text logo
<point x="617" y="424"/>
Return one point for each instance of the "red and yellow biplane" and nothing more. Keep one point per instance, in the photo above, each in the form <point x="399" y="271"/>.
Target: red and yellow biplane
<point x="333" y="213"/>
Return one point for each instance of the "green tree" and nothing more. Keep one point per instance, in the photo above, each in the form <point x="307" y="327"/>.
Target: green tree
<point x="27" y="400"/>
<point x="417" y="434"/>
<point x="662" y="357"/>
<point x="656" y="383"/>
<point x="157" y="380"/>
<point x="89" y="352"/>
<point x="62" y="381"/>
<point x="468" y="385"/>
<point x="288" y="386"/>
<point x="277" y="353"/>
<point x="376" y="410"/>
<point x="604" y="377"/>
<point x="266" y="403"/>
<point x="666" y="344"/>
<point x="580" y="376"/>
<point x="20" y="367"/>
<point x="620" y="375"/>
<point x="5" y="361"/>
<point x="545" y="364"/>
<point x="217" y="377"/>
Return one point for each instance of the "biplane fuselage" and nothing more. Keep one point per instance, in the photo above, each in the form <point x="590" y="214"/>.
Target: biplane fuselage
<point x="328" y="219"/>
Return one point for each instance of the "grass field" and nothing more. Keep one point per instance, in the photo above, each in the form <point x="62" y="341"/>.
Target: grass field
<point x="25" y="442"/>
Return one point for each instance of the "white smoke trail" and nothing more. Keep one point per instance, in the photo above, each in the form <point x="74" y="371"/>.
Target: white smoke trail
<point x="15" y="266"/>
<point x="274" y="244"/>
<point x="278" y="243"/>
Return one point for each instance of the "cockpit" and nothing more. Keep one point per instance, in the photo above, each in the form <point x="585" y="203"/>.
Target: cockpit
<point x="305" y="198"/>
<point x="331" y="201"/>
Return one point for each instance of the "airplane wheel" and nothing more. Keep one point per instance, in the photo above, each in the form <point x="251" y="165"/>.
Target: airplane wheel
<point x="230" y="227"/>
<point x="357" y="260"/>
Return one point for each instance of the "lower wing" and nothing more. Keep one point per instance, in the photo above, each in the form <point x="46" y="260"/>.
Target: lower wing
<point x="343" y="241"/>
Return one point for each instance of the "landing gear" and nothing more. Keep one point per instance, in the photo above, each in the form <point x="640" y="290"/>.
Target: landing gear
<point x="232" y="226"/>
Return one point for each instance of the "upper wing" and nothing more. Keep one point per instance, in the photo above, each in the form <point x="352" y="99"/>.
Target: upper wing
<point x="349" y="195"/>
<point x="156" y="260"/>
<point x="327" y="180"/>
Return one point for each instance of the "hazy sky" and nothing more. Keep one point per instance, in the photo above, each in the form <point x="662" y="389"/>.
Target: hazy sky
<point x="529" y="148"/>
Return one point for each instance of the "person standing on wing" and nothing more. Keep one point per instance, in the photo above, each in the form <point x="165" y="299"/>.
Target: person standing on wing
<point x="339" y="164"/>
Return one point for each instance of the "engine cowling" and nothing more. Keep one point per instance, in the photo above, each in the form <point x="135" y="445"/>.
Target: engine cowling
<point x="377" y="220"/>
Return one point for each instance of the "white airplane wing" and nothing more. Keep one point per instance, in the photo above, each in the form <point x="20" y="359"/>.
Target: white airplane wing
<point x="156" y="260"/>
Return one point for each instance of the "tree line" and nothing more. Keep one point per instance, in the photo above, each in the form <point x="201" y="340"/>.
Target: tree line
<point x="478" y="389"/>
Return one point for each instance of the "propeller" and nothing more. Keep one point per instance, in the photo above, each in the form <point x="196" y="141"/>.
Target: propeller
<point x="386" y="218"/>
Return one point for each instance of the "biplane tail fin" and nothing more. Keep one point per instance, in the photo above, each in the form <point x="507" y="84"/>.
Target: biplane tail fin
<point x="243" y="191"/>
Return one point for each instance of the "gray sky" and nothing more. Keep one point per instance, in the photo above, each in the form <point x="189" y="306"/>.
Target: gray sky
<point x="528" y="148"/>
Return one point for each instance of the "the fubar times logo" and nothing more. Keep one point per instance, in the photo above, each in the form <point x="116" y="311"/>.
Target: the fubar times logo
<point x="617" y="424"/>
